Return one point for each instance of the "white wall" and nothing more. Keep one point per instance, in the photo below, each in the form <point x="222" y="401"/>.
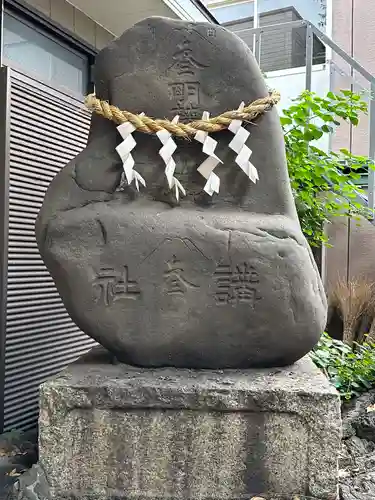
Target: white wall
<point x="290" y="83"/>
<point x="119" y="15"/>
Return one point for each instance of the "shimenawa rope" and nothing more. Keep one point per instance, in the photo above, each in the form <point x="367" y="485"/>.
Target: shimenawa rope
<point x="149" y="125"/>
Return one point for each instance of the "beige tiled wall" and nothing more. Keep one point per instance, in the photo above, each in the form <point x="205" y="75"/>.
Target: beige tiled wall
<point x="352" y="252"/>
<point x="74" y="20"/>
<point x="353" y="245"/>
<point x="354" y="31"/>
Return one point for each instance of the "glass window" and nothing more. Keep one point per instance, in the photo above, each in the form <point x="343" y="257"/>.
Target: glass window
<point x="35" y="53"/>
<point x="283" y="10"/>
<point x="227" y="11"/>
<point x="235" y="15"/>
<point x="283" y="46"/>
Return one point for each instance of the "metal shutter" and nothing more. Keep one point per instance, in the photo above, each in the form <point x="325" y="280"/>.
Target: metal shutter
<point x="47" y="128"/>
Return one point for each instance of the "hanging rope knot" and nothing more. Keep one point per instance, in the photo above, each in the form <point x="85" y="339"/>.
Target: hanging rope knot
<point x="144" y="123"/>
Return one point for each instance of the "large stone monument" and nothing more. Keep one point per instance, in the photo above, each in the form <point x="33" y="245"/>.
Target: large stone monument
<point x="221" y="282"/>
<point x="196" y="292"/>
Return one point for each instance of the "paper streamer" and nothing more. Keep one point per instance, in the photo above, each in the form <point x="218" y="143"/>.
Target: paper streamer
<point x="238" y="145"/>
<point x="124" y="150"/>
<point x="166" y="152"/>
<point x="206" y="168"/>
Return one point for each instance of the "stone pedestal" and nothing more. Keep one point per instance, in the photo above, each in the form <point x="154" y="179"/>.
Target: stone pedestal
<point x="111" y="431"/>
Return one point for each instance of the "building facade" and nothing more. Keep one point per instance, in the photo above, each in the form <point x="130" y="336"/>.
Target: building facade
<point x="48" y="50"/>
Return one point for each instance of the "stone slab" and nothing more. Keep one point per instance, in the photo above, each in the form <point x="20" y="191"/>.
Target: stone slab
<point x="111" y="431"/>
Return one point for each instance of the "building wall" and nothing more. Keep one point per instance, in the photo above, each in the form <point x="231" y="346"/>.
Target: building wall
<point x="38" y="338"/>
<point x="119" y="15"/>
<point x="277" y="50"/>
<point x="283" y="47"/>
<point x="307" y="9"/>
<point x="353" y="29"/>
<point x="74" y="20"/>
<point x="280" y="48"/>
<point x="352" y="254"/>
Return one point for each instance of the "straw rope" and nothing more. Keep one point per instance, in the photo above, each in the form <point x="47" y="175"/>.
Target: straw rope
<point x="149" y="125"/>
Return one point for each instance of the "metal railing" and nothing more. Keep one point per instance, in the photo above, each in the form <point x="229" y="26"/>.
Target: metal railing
<point x="311" y="32"/>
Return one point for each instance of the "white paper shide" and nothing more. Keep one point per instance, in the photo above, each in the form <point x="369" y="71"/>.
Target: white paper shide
<point x="238" y="145"/>
<point x="166" y="152"/>
<point x="124" y="150"/>
<point x="169" y="146"/>
<point x="206" y="168"/>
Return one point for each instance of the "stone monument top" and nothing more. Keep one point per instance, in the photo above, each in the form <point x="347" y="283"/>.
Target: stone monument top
<point x="213" y="279"/>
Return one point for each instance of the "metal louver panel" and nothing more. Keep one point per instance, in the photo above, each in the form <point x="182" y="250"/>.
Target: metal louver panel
<point x="47" y="128"/>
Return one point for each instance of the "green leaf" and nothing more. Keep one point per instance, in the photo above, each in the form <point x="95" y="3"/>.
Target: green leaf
<point x="327" y="129"/>
<point x="285" y="120"/>
<point x="345" y="151"/>
<point x="350" y="369"/>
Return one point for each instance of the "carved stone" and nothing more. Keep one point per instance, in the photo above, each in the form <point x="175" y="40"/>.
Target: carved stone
<point x="227" y="282"/>
<point x="113" y="432"/>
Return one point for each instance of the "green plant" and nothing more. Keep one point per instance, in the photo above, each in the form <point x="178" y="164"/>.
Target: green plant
<point x="323" y="182"/>
<point x="351" y="370"/>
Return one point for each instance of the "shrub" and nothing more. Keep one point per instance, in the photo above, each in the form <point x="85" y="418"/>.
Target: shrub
<point x="350" y="370"/>
<point x="323" y="183"/>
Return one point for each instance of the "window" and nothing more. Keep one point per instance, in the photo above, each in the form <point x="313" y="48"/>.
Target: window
<point x="30" y="50"/>
<point x="311" y="10"/>
<point x="231" y="10"/>
<point x="227" y="11"/>
<point x="283" y="45"/>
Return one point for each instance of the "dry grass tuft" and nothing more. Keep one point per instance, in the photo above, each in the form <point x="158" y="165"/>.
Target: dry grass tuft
<point x="355" y="301"/>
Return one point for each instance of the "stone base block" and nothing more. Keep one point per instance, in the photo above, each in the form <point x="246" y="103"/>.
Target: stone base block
<point x="111" y="431"/>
